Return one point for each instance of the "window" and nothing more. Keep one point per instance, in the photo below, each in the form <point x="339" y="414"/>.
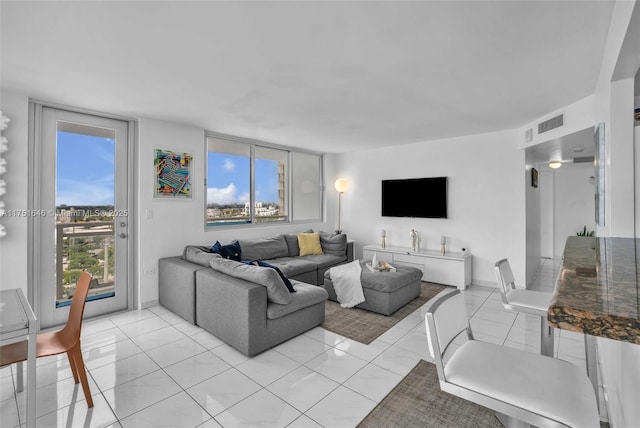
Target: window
<point x="248" y="183"/>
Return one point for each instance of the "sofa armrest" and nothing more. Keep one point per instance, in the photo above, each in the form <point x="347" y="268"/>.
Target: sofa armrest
<point x="177" y="286"/>
<point x="350" y="250"/>
<point x="233" y="309"/>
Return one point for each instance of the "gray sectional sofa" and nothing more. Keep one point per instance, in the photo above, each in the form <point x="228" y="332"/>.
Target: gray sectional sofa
<point x="249" y="306"/>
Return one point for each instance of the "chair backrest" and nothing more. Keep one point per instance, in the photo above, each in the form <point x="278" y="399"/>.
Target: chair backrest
<point x="445" y="319"/>
<point x="505" y="278"/>
<point x="74" y="322"/>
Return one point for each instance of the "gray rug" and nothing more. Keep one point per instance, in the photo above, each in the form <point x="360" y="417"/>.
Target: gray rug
<point x="417" y="401"/>
<point x="364" y="326"/>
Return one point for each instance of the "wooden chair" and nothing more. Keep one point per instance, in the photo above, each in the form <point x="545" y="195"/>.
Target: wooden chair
<point x="54" y="343"/>
<point x="527" y="301"/>
<point x="526" y="387"/>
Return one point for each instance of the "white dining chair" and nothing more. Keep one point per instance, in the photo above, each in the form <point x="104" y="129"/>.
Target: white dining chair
<point x="524" y="387"/>
<point x="526" y="301"/>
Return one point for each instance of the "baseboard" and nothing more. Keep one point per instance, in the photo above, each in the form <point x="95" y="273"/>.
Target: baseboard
<point x="491" y="284"/>
<point x="149" y="304"/>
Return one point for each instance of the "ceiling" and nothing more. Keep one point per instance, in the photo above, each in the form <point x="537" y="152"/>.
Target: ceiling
<point x="330" y="76"/>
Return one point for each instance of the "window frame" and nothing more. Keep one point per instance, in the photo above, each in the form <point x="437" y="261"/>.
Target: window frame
<point x="289" y="182"/>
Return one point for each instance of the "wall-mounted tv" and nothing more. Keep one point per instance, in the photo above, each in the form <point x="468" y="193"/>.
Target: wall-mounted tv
<point x="415" y="197"/>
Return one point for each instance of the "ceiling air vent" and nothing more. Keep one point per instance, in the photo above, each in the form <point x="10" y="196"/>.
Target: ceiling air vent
<point x="553" y="123"/>
<point x="583" y="159"/>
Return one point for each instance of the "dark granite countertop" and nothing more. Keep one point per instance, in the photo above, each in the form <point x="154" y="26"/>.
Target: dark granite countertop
<point x="597" y="292"/>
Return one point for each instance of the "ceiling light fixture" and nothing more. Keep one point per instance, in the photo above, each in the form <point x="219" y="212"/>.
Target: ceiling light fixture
<point x="555" y="164"/>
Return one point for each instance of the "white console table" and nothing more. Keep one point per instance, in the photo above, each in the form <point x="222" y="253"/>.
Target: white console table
<point x="450" y="268"/>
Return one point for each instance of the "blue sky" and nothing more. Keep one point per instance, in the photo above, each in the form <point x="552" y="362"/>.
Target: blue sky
<point x="84" y="170"/>
<point x="228" y="179"/>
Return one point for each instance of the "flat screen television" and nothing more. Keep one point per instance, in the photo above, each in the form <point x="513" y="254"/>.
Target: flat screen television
<point x="415" y="197"/>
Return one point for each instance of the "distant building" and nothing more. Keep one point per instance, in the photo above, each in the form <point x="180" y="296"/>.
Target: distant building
<point x="261" y="210"/>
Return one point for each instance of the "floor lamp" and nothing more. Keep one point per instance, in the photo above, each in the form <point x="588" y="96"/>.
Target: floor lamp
<point x="341" y="185"/>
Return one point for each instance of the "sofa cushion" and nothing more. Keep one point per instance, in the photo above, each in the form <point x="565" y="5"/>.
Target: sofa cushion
<point x="309" y="244"/>
<point x="324" y="260"/>
<point x="292" y="243"/>
<point x="333" y="244"/>
<point x="307" y="295"/>
<point x="264" y="248"/>
<point x="198" y="254"/>
<point x="276" y="290"/>
<point x="294" y="266"/>
<point x="231" y="251"/>
<point x="286" y="280"/>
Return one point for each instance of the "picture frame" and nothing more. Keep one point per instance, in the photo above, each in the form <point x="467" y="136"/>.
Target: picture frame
<point x="172" y="175"/>
<point x="534" y="177"/>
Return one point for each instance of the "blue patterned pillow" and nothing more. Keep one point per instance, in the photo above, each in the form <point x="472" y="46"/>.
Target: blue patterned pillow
<point x="230" y="251"/>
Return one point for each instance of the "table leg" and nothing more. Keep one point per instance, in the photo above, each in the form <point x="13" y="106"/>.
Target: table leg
<point x="592" y="364"/>
<point x="20" y="375"/>
<point x="546" y="338"/>
<point x="31" y="379"/>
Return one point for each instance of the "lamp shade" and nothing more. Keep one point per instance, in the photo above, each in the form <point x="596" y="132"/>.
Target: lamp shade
<point x="341" y="185"/>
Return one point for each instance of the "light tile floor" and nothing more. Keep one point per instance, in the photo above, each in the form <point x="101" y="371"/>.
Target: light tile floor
<point x="150" y="368"/>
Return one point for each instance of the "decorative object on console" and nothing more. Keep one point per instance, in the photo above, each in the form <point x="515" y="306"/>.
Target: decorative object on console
<point x="374" y="260"/>
<point x="383" y="235"/>
<point x="443" y="244"/>
<point x="341" y="185"/>
<point x="414" y="239"/>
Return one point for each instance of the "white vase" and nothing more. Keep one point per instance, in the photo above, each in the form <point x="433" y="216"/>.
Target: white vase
<point x="374" y="261"/>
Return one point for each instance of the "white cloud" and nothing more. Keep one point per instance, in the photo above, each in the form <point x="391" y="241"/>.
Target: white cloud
<point x="96" y="192"/>
<point x="228" y="165"/>
<point x="225" y="195"/>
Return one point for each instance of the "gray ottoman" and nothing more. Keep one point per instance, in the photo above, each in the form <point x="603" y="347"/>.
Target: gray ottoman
<point x="386" y="292"/>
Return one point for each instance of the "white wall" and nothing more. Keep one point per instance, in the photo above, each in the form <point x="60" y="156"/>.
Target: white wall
<point x="486" y="200"/>
<point x="619" y="181"/>
<point x="547" y="230"/>
<point x="574" y="202"/>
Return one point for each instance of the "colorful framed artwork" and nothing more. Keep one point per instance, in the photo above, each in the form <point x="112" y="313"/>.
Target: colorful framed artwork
<point x="534" y="177"/>
<point x="173" y="175"/>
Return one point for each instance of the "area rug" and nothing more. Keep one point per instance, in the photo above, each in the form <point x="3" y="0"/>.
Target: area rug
<point x="365" y="326"/>
<point x="417" y="401"/>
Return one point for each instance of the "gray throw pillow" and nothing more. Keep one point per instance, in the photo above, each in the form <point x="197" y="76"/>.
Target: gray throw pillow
<point x="333" y="244"/>
<point x="277" y="292"/>
<point x="264" y="248"/>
